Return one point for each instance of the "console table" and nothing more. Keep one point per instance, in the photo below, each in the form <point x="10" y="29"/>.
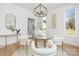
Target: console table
<point x="5" y="35"/>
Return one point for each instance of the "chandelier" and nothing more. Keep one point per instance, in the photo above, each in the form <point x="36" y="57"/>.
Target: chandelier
<point x="40" y="11"/>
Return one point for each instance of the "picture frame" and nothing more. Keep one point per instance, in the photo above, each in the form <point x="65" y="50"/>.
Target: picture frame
<point x="70" y="25"/>
<point x="31" y="27"/>
<point x="53" y="21"/>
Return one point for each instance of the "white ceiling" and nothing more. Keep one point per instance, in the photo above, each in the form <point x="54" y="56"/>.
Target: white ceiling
<point x="31" y="6"/>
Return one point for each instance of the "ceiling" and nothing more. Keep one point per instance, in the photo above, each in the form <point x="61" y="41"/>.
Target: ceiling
<point x="31" y="6"/>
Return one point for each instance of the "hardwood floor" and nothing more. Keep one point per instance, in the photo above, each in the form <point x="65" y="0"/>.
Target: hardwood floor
<point x="71" y="50"/>
<point x="10" y="50"/>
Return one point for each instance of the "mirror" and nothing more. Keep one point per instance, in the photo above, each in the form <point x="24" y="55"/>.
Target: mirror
<point x="10" y="21"/>
<point x="42" y="26"/>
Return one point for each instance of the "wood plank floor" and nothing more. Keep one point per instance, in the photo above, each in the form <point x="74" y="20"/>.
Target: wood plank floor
<point x="10" y="50"/>
<point x="71" y="50"/>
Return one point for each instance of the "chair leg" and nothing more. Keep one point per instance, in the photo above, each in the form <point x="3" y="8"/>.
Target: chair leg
<point x="19" y="47"/>
<point x="26" y="48"/>
<point x="62" y="47"/>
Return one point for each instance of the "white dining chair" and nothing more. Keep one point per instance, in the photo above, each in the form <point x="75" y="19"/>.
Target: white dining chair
<point x="58" y="40"/>
<point x="23" y="41"/>
<point x="51" y="50"/>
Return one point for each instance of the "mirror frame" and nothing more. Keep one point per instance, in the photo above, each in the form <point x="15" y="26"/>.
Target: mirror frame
<point x="10" y="20"/>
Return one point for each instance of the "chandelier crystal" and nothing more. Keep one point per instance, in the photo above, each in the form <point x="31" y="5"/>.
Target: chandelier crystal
<point x="40" y="11"/>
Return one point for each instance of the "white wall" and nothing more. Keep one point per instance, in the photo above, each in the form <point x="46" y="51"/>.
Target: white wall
<point x="20" y="13"/>
<point x="74" y="40"/>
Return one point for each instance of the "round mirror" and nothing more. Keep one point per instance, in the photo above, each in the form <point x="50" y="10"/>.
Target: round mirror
<point x="10" y="21"/>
